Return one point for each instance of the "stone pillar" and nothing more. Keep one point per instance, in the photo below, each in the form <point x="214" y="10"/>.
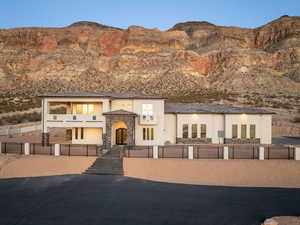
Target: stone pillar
<point x="190" y="152"/>
<point x="45" y="139"/>
<point x="225" y="153"/>
<point x="56" y="149"/>
<point x="0" y="147"/>
<point x="297" y="153"/>
<point x="45" y="134"/>
<point x="26" y="149"/>
<point x="155" y="152"/>
<point x="261" y="153"/>
<point x="108" y="125"/>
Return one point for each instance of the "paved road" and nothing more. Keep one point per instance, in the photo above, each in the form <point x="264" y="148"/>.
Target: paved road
<point x="92" y="199"/>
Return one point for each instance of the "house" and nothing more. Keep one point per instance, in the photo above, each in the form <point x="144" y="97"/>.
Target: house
<point x="110" y="119"/>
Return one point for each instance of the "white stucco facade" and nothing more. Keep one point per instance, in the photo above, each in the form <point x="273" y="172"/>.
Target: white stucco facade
<point x="156" y="127"/>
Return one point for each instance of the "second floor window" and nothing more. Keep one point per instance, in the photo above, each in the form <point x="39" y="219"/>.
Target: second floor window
<point x="147" y="109"/>
<point x="85" y="109"/>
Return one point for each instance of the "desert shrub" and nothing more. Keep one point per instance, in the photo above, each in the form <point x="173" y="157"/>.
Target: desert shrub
<point x="21" y="118"/>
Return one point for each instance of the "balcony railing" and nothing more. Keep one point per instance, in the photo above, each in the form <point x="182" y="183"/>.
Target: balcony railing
<point x="73" y="118"/>
<point x="148" y="119"/>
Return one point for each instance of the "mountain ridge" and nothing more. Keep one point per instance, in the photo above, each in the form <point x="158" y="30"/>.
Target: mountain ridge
<point x="189" y="56"/>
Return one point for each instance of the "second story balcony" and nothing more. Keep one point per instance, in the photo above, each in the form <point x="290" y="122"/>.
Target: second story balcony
<point x="75" y="120"/>
<point x="148" y="120"/>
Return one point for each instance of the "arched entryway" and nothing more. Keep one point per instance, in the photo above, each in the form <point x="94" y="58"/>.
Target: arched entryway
<point x="119" y="133"/>
<point x="119" y="119"/>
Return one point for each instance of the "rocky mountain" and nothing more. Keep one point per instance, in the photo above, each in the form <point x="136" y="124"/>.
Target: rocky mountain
<point x="251" y="66"/>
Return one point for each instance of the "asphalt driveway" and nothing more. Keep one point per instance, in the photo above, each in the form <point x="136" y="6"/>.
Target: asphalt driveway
<point x="92" y="199"/>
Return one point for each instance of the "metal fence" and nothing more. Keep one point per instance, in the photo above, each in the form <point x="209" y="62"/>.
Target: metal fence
<point x="279" y="152"/>
<point x="78" y="150"/>
<point x="138" y="151"/>
<point x="173" y="151"/>
<point x="39" y="149"/>
<point x="213" y="151"/>
<point x="201" y="151"/>
<point x="207" y="152"/>
<point x="12" y="148"/>
<point x="243" y="151"/>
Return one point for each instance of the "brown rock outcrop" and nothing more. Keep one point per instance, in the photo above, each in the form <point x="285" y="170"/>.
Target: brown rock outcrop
<point x="187" y="57"/>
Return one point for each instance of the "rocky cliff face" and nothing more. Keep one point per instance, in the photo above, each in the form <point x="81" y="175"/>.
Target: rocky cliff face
<point x="189" y="58"/>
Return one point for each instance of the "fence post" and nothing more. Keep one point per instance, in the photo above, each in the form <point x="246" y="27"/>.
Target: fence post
<point x="26" y="149"/>
<point x="0" y="147"/>
<point x="225" y="153"/>
<point x="191" y="152"/>
<point x="297" y="153"/>
<point x="56" y="149"/>
<point x="261" y="153"/>
<point x="155" y="152"/>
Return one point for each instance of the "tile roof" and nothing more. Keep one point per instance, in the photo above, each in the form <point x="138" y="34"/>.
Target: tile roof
<point x="104" y="95"/>
<point x="120" y="112"/>
<point x="193" y="108"/>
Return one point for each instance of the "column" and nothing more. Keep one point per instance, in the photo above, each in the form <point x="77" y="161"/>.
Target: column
<point x="0" y="147"/>
<point x="45" y="134"/>
<point x="155" y="152"/>
<point x="56" y="149"/>
<point x="225" y="153"/>
<point x="26" y="149"/>
<point x="106" y="129"/>
<point x="261" y="153"/>
<point x="191" y="152"/>
<point x="297" y="153"/>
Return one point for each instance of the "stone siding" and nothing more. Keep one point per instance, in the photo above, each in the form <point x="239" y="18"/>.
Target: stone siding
<point x="129" y="120"/>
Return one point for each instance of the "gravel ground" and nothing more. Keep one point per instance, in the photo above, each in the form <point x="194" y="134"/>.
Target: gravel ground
<point x="42" y="165"/>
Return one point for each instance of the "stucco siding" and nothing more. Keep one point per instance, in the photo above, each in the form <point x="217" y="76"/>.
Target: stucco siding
<point x="91" y="136"/>
<point x="170" y="128"/>
<point x="213" y="122"/>
<point x="158" y="112"/>
<point x="125" y="104"/>
<point x="263" y="126"/>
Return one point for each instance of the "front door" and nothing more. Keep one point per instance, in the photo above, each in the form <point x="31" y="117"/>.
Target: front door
<point x="121" y="136"/>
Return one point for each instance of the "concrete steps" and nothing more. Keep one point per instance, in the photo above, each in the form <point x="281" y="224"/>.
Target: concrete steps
<point x="108" y="164"/>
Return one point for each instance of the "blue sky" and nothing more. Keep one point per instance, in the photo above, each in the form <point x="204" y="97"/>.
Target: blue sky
<point x="162" y="14"/>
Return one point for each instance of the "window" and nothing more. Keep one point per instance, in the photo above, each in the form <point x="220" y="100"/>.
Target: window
<point x="194" y="130"/>
<point x="76" y="133"/>
<point x="85" y="109"/>
<point x="148" y="133"/>
<point x="90" y="109"/>
<point x="147" y="109"/>
<point x="203" y="131"/>
<point x="252" y="131"/>
<point x="244" y="131"/>
<point x="234" y="130"/>
<point x="152" y="134"/>
<point x="79" y="109"/>
<point x="82" y="133"/>
<point x="185" y="131"/>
